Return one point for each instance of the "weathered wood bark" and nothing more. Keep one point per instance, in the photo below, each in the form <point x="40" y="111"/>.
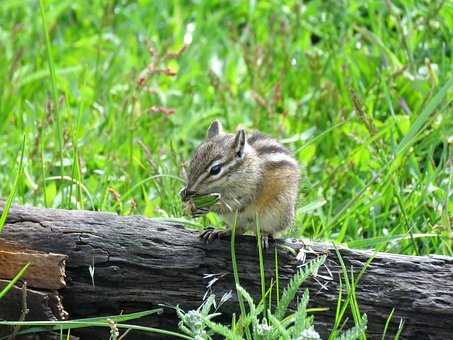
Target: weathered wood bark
<point x="140" y="263"/>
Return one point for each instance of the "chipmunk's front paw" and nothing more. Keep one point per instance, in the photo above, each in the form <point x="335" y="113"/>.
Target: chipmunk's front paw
<point x="211" y="234"/>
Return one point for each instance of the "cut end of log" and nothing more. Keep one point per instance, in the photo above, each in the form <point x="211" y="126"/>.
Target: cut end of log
<point x="46" y="270"/>
<point x="45" y="274"/>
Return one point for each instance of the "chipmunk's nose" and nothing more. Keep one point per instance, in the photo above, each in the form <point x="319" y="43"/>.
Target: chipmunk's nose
<point x="185" y="194"/>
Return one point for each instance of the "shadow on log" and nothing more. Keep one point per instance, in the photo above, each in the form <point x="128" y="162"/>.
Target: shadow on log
<point x="140" y="263"/>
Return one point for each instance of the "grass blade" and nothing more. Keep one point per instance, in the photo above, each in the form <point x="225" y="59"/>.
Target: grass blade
<point x="236" y="274"/>
<point x="356" y="331"/>
<point x="261" y="262"/>
<point x="9" y="201"/>
<point x="374" y="241"/>
<point x="14" y="280"/>
<point x="68" y="325"/>
<point x="78" y="323"/>
<point x="53" y="82"/>
<point x="46" y="326"/>
<point x="387" y="323"/>
<point x="423" y="117"/>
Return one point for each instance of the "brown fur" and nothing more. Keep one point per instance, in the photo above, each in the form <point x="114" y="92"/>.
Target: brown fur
<point x="275" y="183"/>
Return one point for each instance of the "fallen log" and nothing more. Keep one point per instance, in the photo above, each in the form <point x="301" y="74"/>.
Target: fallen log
<point x="140" y="263"/>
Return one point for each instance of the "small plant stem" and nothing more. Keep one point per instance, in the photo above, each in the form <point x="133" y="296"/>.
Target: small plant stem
<point x="236" y="274"/>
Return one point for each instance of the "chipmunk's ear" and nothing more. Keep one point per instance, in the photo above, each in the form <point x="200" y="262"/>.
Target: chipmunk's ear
<point x="239" y="143"/>
<point x="214" y="129"/>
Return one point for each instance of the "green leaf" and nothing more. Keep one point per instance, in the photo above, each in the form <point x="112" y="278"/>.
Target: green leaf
<point x="206" y="307"/>
<point x="290" y="292"/>
<point x="87" y="322"/>
<point x="392" y="58"/>
<point x="50" y="193"/>
<point x="279" y="332"/>
<point x="249" y="318"/>
<point x="300" y="315"/>
<point x="312" y="206"/>
<point x="423" y="117"/>
<point x="374" y="241"/>
<point x="355" y="332"/>
<point x="102" y="324"/>
<point x="221" y="329"/>
<point x="247" y="297"/>
<point x="205" y="201"/>
<point x="104" y="321"/>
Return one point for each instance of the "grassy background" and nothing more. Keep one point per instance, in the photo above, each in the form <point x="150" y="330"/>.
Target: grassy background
<point x="359" y="90"/>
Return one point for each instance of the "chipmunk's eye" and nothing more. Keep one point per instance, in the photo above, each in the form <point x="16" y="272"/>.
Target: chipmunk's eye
<point x="215" y="169"/>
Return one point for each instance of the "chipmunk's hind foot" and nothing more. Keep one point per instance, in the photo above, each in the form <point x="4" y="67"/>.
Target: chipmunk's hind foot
<point x="265" y="241"/>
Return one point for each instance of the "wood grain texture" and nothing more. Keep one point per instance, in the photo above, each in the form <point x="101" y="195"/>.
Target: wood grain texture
<point x="140" y="263"/>
<point x="46" y="270"/>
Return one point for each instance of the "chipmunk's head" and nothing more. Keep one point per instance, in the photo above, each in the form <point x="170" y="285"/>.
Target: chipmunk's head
<point x="224" y="163"/>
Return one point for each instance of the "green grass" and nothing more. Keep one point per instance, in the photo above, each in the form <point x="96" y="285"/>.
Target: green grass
<point x="361" y="91"/>
<point x="16" y="278"/>
<point x="114" y="322"/>
<point x="9" y="201"/>
<point x="259" y="323"/>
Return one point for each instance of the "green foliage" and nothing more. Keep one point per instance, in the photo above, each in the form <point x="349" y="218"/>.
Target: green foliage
<point x="360" y="91"/>
<point x="300" y="316"/>
<point x="114" y="322"/>
<point x="290" y="292"/>
<point x="264" y="324"/>
<point x="355" y="332"/>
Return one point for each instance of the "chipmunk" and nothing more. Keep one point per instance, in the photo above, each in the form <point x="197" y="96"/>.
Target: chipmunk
<point x="255" y="176"/>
